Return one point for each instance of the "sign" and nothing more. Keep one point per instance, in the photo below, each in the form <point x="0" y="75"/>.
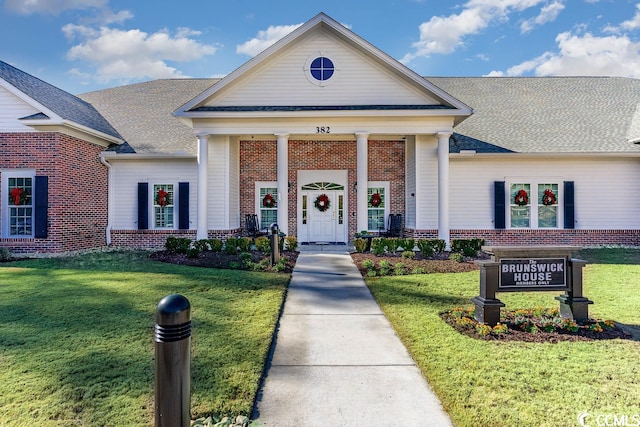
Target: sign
<point x="533" y="274"/>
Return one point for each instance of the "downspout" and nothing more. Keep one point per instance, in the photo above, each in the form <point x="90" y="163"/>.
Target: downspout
<point x="109" y="210"/>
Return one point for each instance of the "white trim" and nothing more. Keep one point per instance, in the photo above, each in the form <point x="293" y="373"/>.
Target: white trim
<point x="257" y="201"/>
<point x="533" y="201"/>
<point x="152" y="200"/>
<point x="5" y="217"/>
<point x="387" y="201"/>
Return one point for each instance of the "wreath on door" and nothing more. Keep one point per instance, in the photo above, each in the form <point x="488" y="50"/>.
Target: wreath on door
<point x="522" y="198"/>
<point x="322" y="202"/>
<point x="376" y="199"/>
<point x="269" y="201"/>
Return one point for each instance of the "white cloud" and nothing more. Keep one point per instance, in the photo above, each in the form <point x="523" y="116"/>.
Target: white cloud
<point x="585" y="55"/>
<point x="51" y="7"/>
<point x="126" y="55"/>
<point x="264" y="39"/>
<point x="446" y="34"/>
<point x="548" y="13"/>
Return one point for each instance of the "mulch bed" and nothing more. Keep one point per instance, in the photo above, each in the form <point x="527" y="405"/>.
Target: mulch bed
<point x="222" y="260"/>
<point x="437" y="263"/>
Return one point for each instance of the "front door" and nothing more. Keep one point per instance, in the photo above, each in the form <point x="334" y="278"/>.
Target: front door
<point x="323" y="216"/>
<point x="322" y="213"/>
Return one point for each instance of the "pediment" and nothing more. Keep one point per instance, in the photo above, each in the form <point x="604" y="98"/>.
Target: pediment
<point x="318" y="67"/>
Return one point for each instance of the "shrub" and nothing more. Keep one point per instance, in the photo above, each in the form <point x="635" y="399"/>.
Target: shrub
<point x="215" y="245"/>
<point x="385" y="267"/>
<point x="244" y="243"/>
<point x="360" y="245"/>
<point x="177" y="245"/>
<point x="417" y="270"/>
<point x="5" y="254"/>
<point x="263" y="244"/>
<point x="368" y="264"/>
<point x="231" y="246"/>
<point x="201" y="245"/>
<point x="393" y="244"/>
<point x="467" y="247"/>
<point x="408" y="254"/>
<point x="408" y="244"/>
<point x="291" y="243"/>
<point x="430" y="246"/>
<point x="399" y="269"/>
<point x="193" y="252"/>
<point x="454" y="256"/>
<point x="247" y="259"/>
<point x="378" y="246"/>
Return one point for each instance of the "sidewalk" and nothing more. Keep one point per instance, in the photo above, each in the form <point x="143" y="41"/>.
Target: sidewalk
<point x="337" y="361"/>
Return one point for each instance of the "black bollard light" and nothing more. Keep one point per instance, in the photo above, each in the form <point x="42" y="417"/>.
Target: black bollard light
<point x="275" y="244"/>
<point x="173" y="362"/>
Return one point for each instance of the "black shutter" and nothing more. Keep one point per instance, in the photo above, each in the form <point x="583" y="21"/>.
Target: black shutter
<point x="569" y="205"/>
<point x="41" y="207"/>
<point x="143" y="206"/>
<point x="499" y="206"/>
<point x="183" y="205"/>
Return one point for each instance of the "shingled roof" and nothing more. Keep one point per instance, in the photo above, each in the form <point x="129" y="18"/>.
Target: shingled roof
<point x="143" y="114"/>
<point x="520" y="114"/>
<point x="65" y="105"/>
<point x="549" y="114"/>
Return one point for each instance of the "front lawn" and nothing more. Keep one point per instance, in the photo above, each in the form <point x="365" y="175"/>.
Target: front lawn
<point x="515" y="383"/>
<point x="76" y="337"/>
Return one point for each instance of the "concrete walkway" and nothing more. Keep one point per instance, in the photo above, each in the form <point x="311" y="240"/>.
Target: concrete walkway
<point x="337" y="361"/>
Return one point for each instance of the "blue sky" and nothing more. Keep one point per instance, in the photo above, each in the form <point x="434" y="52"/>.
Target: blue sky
<point x="85" y="45"/>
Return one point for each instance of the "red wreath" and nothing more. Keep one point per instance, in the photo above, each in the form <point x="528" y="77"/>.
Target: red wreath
<point x="268" y="201"/>
<point x="376" y="199"/>
<point x="548" y="198"/>
<point x="16" y="195"/>
<point x="162" y="198"/>
<point x="322" y="202"/>
<point x="522" y="198"/>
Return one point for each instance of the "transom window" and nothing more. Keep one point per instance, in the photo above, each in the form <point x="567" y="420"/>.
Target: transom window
<point x="322" y="186"/>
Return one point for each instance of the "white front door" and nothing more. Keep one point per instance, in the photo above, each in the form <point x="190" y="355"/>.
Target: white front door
<point x="326" y="223"/>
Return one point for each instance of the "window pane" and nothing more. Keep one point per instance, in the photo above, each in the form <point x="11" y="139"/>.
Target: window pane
<point x="375" y="220"/>
<point x="376" y="203"/>
<point x="20" y="204"/>
<point x="20" y="221"/>
<point x="163" y="205"/>
<point x="268" y="203"/>
<point x="547" y="205"/>
<point x="519" y="202"/>
<point x="519" y="216"/>
<point x="268" y="217"/>
<point x="547" y="216"/>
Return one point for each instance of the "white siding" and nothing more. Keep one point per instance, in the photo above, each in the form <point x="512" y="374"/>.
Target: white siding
<point x="218" y="204"/>
<point x="125" y="178"/>
<point x="234" y="185"/>
<point x="11" y="109"/>
<point x="358" y="79"/>
<point x="410" y="177"/>
<point x="604" y="188"/>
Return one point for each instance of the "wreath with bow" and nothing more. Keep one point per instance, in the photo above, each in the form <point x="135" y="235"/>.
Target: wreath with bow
<point x="522" y="198"/>
<point x="269" y="201"/>
<point x="548" y="198"/>
<point x="18" y="196"/>
<point x="376" y="199"/>
<point x="162" y="198"/>
<point x="322" y="202"/>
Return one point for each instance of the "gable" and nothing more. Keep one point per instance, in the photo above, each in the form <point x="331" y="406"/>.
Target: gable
<point x="12" y="109"/>
<point x="285" y="79"/>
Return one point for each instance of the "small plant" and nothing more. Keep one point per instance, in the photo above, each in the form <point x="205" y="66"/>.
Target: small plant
<point x="467" y="247"/>
<point x="263" y="244"/>
<point x="291" y="243"/>
<point x="425" y="247"/>
<point x="246" y="259"/>
<point x="399" y="269"/>
<point x="280" y="265"/>
<point x="368" y="264"/>
<point x="177" y="245"/>
<point x="457" y="257"/>
<point x="483" y="330"/>
<point x="360" y="245"/>
<point x="231" y="246"/>
<point x="408" y="255"/>
<point x="500" y="329"/>
<point x="216" y="245"/>
<point x="385" y="267"/>
<point x="378" y="246"/>
<point x="417" y="270"/>
<point x="244" y="244"/>
<point x="201" y="245"/>
<point x="5" y="254"/>
<point x="193" y="252"/>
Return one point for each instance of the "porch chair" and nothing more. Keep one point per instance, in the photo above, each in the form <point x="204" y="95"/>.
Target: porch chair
<point x="394" y="227"/>
<point x="252" y="226"/>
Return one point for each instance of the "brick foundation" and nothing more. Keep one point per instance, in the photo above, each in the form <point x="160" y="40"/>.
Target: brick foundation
<point x="155" y="239"/>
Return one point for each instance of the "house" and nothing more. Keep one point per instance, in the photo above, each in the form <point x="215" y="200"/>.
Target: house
<point x="325" y="135"/>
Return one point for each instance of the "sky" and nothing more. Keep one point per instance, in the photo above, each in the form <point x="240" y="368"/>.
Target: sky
<point x="86" y="45"/>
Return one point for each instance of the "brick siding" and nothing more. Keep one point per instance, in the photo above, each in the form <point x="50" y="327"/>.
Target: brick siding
<point x="78" y="188"/>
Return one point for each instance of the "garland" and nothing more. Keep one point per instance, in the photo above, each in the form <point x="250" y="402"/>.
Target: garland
<point x="548" y="198"/>
<point x="269" y="201"/>
<point x="376" y="199"/>
<point x="322" y="202"/>
<point x="522" y="198"/>
<point x="162" y="198"/>
<point x="18" y="196"/>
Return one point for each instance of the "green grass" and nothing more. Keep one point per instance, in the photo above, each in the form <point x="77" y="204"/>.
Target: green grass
<point x="488" y="383"/>
<point x="76" y="338"/>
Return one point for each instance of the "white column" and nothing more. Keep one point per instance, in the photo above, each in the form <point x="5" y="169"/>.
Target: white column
<point x="203" y="175"/>
<point x="362" y="178"/>
<point x="283" y="181"/>
<point x="443" y="187"/>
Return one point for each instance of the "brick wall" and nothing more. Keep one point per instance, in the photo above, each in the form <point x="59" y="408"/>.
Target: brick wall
<point x="540" y="237"/>
<point x="258" y="160"/>
<point x="77" y="189"/>
<point x="155" y="239"/>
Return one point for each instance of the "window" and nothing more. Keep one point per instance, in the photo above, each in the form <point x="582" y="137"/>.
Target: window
<point x="321" y="68"/>
<point x="163" y="206"/>
<point x="376" y="212"/>
<point x="268" y="206"/>
<point x="533" y="205"/>
<point x="20" y="206"/>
